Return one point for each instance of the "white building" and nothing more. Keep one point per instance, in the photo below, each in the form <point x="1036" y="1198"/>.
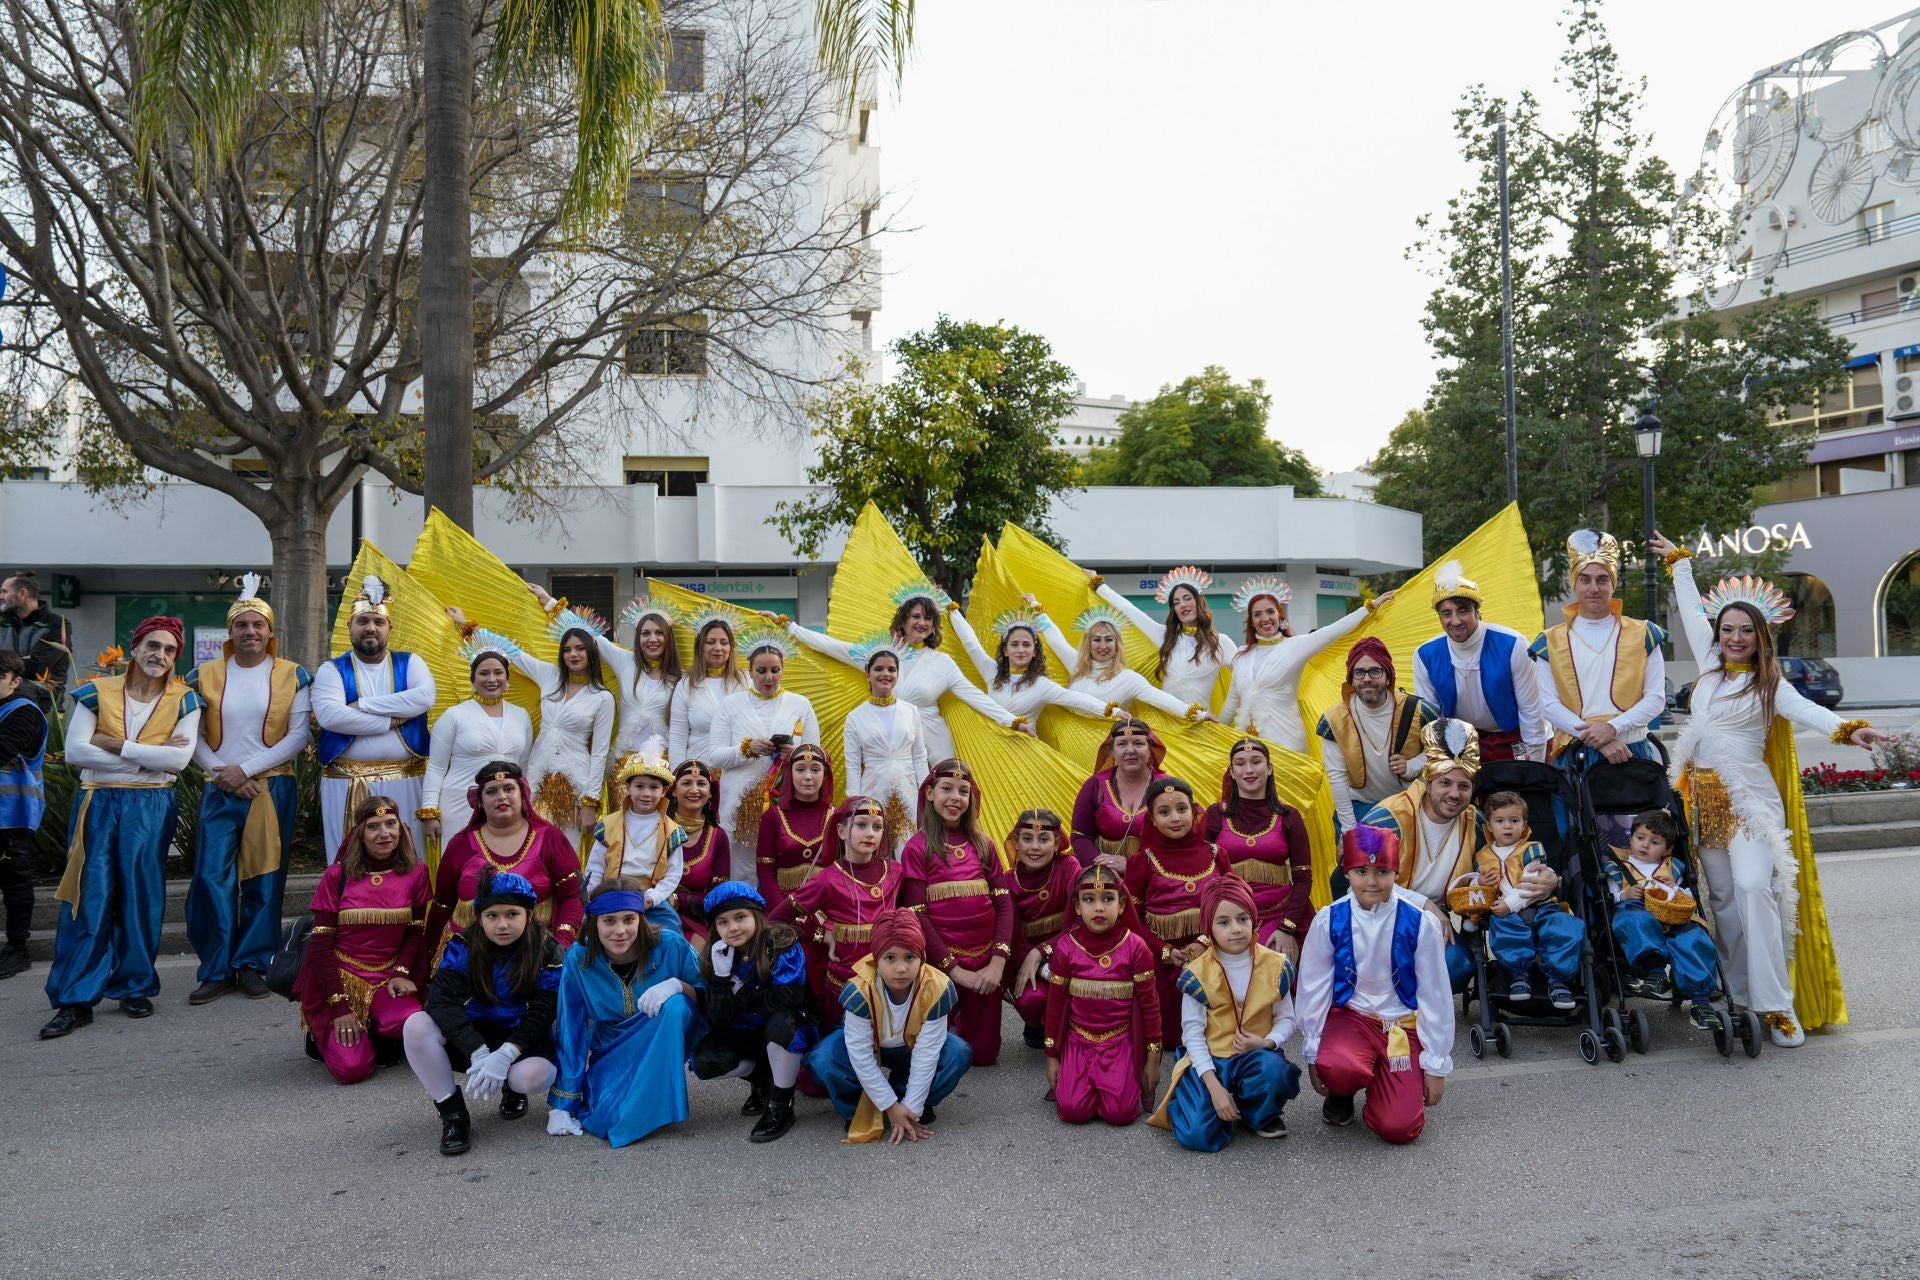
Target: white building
<point x="1818" y="159"/>
<point x="1094" y="422"/>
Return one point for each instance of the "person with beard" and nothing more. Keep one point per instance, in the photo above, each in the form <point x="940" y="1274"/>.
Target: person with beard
<point x="1370" y="739"/>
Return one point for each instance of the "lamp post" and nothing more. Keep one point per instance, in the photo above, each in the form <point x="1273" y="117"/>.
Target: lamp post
<point x="1646" y="441"/>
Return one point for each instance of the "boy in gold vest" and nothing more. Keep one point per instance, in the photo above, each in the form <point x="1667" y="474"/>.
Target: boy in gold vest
<point x="1236" y="1011"/>
<point x="640" y="840"/>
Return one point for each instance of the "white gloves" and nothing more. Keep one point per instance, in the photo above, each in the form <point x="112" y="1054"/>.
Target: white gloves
<point x="722" y="957"/>
<point x="488" y="1071"/>
<point x="656" y="995"/>
<point x="562" y="1124"/>
<point x="652" y="899"/>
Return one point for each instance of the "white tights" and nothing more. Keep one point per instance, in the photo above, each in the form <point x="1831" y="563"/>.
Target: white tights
<point x="783" y="1063"/>
<point x="427" y="1055"/>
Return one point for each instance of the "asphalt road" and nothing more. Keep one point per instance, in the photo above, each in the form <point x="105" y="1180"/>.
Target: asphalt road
<point x="203" y="1143"/>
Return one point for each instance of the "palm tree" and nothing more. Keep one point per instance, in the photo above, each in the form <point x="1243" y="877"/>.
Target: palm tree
<point x="206" y="62"/>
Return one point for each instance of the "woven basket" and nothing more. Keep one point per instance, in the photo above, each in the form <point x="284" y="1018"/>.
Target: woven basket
<point x="1669" y="904"/>
<point x="1471" y="900"/>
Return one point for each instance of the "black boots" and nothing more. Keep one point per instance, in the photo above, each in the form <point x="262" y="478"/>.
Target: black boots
<point x="513" y="1103"/>
<point x="778" y="1118"/>
<point x="455" y="1124"/>
<point x="14" y="959"/>
<point x="756" y="1103"/>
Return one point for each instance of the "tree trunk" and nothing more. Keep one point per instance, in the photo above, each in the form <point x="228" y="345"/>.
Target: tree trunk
<point x="301" y="624"/>
<point x="446" y="261"/>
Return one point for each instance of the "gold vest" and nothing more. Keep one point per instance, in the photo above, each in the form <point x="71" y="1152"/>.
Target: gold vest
<point x="1405" y="808"/>
<point x="612" y="832"/>
<point x="283" y="684"/>
<point x="1271" y="978"/>
<point x="1629" y="665"/>
<point x="1346" y="734"/>
<point x="110" y="711"/>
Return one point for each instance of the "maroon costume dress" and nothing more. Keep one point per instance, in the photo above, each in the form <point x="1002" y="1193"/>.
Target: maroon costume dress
<point x="366" y="931"/>
<point x="967" y="914"/>
<point x="837" y="909"/>
<point x="1103" y="1015"/>
<point x="544" y="857"/>
<point x="704" y="862"/>
<point x="1101" y="824"/>
<point x="1042" y="909"/>
<point x="1270" y="851"/>
<point x="792" y="845"/>
<point x="1164" y="880"/>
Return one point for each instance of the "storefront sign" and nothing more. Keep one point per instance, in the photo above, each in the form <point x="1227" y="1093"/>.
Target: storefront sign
<point x="1754" y="539"/>
<point x="207" y="642"/>
<point x="1333" y="584"/>
<point x="735" y="588"/>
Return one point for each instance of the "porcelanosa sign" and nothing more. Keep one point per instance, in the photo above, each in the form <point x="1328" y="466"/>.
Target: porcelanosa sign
<point x="1754" y="540"/>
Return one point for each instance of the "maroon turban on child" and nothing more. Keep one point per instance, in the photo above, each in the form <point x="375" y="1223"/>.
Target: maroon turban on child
<point x="1227" y="888"/>
<point x="898" y="927"/>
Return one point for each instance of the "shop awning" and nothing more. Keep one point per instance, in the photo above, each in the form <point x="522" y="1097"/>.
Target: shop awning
<point x="1861" y="362"/>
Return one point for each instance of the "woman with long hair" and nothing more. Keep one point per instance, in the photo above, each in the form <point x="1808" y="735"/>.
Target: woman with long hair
<point x="699" y="693"/>
<point x="753" y="733"/>
<point x="1100" y="671"/>
<point x="1266" y="841"/>
<point x="1766" y="899"/>
<point x="469" y="734"/>
<point x="1192" y="652"/>
<point x="363" y="971"/>
<point x="1016" y="675"/>
<point x="1264" y="698"/>
<point x="644" y="675"/>
<point x="504" y="834"/>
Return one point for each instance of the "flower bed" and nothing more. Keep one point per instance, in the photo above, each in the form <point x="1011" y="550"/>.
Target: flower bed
<point x="1831" y="779"/>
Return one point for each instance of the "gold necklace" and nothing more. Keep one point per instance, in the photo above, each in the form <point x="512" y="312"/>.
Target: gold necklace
<point x="1254" y="837"/>
<point x="486" y="701"/>
<point x="486" y="850"/>
<point x="1595" y="649"/>
<point x="805" y="845"/>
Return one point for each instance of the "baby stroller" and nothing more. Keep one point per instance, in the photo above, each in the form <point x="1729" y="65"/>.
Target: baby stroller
<point x="1602" y="791"/>
<point x="1546" y="792"/>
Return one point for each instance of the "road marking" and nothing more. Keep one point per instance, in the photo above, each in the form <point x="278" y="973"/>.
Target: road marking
<point x="1871" y="856"/>
<point x="1824" y="1042"/>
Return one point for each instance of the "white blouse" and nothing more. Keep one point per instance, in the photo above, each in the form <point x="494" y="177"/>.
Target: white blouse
<point x="1265" y="693"/>
<point x="574" y="730"/>
<point x="1184" y="678"/>
<point x="883" y="753"/>
<point x="1023" y="697"/>
<point x="643" y="707"/>
<point x="464" y="738"/>
<point x="925" y="674"/>
<point x="691" y="714"/>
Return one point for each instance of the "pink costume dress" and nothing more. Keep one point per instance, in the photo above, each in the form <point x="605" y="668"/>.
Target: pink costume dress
<point x="968" y="915"/>
<point x="365" y="931"/>
<point x="1042" y="909"/>
<point x="1273" y="853"/>
<point x="790" y="848"/>
<point x="837" y="908"/>
<point x="1165" y="881"/>
<point x="704" y="863"/>
<point x="544" y="857"/>
<point x="1101" y="824"/>
<point x="1103" y="1016"/>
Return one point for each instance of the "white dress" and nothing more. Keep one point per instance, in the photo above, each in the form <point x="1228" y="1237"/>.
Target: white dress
<point x="1121" y="687"/>
<point x="1024" y="697"/>
<point x="1752" y="883"/>
<point x="1265" y="694"/>
<point x="884" y="758"/>
<point x="691" y="715"/>
<point x="464" y="738"/>
<point x="925" y="674"/>
<point x="1185" y="679"/>
<point x="742" y="716"/>
<point x="644" y="708"/>
<point x="572" y="744"/>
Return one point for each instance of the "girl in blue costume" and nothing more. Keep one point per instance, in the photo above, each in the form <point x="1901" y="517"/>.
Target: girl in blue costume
<point x="759" y="1005"/>
<point x="627" y="1021"/>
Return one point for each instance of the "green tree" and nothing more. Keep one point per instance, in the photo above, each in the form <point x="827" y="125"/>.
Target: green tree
<point x="1596" y="335"/>
<point x="959" y="442"/>
<point x="1207" y="430"/>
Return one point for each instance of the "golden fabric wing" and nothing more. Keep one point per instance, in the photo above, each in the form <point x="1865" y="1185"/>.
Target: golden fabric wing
<point x="1819" y="999"/>
<point x="451" y="563"/>
<point x="873" y="566"/>
<point x="420" y="626"/>
<point x="1495" y="555"/>
<point x="1065" y="590"/>
<point x="1016" y="771"/>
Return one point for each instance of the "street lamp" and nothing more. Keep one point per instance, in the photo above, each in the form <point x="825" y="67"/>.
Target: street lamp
<point x="1646" y="441"/>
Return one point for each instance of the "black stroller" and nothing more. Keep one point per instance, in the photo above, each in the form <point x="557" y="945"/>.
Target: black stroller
<point x="1541" y="785"/>
<point x="1602" y="791"/>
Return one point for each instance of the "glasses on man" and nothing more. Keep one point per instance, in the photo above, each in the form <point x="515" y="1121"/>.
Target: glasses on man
<point x="1369" y="673"/>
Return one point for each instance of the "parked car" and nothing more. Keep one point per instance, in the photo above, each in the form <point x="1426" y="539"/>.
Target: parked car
<point x="1817" y="680"/>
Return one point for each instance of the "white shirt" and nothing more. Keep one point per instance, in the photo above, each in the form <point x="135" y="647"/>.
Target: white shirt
<point x="1375" y="727"/>
<point x="576" y="726"/>
<point x="1439" y="851"/>
<point x="883" y="753"/>
<point x="1510" y="892"/>
<point x="925" y="674"/>
<point x="637" y="856"/>
<point x="464" y="738"/>
<point x="1373" y="992"/>
<point x="1193" y="1014"/>
<point x="243" y="723"/>
<point x="137" y="762"/>
<point x="1184" y="678"/>
<point x="1023" y="697"/>
<point x="866" y="1060"/>
<point x="1595" y="643"/>
<point x="1121" y="686"/>
<point x="645" y="700"/>
<point x="1470" y="702"/>
<point x="690" y="714"/>
<point x="369" y="721"/>
<point x="1265" y="693"/>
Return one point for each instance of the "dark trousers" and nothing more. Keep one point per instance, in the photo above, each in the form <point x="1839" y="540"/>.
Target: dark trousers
<point x="16" y="883"/>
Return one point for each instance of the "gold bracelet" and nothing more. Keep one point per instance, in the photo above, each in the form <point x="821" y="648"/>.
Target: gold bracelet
<point x="554" y="605"/>
<point x="1675" y="556"/>
<point x="1844" y="734"/>
<point x="1097" y="582"/>
<point x="1193" y="712"/>
<point x="1019" y="722"/>
<point x="427" y="813"/>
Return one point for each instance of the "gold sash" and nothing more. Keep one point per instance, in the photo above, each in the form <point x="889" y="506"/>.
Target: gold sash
<point x="957" y="889"/>
<point x="1181" y="924"/>
<point x="69" y="890"/>
<point x="1098" y="989"/>
<point x="791" y="878"/>
<point x="1044" y="925"/>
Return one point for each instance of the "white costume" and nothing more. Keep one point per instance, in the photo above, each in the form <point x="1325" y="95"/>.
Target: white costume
<point x="925" y="674"/>
<point x="885" y="759"/>
<point x="576" y="724"/>
<point x="138" y="764"/>
<point x="1373" y="993"/>
<point x="1376" y="726"/>
<point x="369" y="721"/>
<point x="742" y="716"/>
<point x="645" y="700"/>
<point x="1264" y="697"/>
<point x="1024" y="697"/>
<point x="1185" y="679"/>
<point x="695" y="702"/>
<point x="1120" y="688"/>
<point x="1595" y="644"/>
<point x="464" y="738"/>
<point x="1470" y="702"/>
<point x="243" y="721"/>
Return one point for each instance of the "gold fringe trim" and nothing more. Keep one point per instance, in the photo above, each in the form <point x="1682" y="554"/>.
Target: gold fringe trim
<point x="852" y="932"/>
<point x="747" y="815"/>
<point x="557" y="801"/>
<point x="1715" y="822"/>
<point x="1125" y="847"/>
<point x="1181" y="924"/>
<point x="1044" y="925"/>
<point x="1099" y="1037"/>
<point x="377" y="915"/>
<point x="899" y="823"/>
<point x="791" y="878"/>
<point x="1844" y="734"/>
<point x="1260" y="871"/>
<point x="1094" y="988"/>
<point x="957" y="889"/>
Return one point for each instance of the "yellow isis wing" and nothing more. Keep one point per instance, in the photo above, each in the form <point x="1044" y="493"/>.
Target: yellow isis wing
<point x="1016" y="771"/>
<point x="874" y="565"/>
<point x="1819" y="1000"/>
<point x="451" y="563"/>
<point x="1064" y="588"/>
<point x="420" y="626"/>
<point x="1495" y="555"/>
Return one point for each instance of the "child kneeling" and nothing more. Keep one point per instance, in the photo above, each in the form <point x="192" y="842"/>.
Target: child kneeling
<point x="1236" y="1011"/>
<point x="1649" y="946"/>
<point x="894" y="1058"/>
<point x="759" y="1006"/>
<point x="1525" y="931"/>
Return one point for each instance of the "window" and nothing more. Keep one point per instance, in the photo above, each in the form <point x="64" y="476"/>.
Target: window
<point x="584" y="591"/>
<point x="659" y="201"/>
<point x="1873" y="221"/>
<point x="670" y="477"/>
<point x="1900" y="610"/>
<point x="1881" y="302"/>
<point x="1910" y="468"/>
<point x="677" y="349"/>
<point x="43" y="473"/>
<point x="686" y="62"/>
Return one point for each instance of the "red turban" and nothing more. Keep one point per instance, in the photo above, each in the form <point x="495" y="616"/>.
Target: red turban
<point x="898" y="927"/>
<point x="1371" y="647"/>
<point x="172" y="626"/>
<point x="1227" y="888"/>
<point x="1365" y="846"/>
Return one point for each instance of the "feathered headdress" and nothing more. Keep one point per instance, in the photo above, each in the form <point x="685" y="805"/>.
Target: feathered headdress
<point x="873" y="646"/>
<point x="1450" y="744"/>
<point x="1253" y="588"/>
<point x="921" y="589"/>
<point x="650" y="761"/>
<point x="1770" y="600"/>
<point x="646" y="607"/>
<point x="1451" y="583"/>
<point x="250" y="602"/>
<point x="1098" y="614"/>
<point x="372" y="598"/>
<point x="483" y="642"/>
<point x="1186" y="575"/>
<point x="1590" y="546"/>
<point x="763" y="639"/>
<point x="571" y="619"/>
<point x="1009" y="619"/>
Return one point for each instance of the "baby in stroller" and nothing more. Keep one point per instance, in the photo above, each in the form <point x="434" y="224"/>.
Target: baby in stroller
<point x="1528" y="925"/>
<point x="1656" y="919"/>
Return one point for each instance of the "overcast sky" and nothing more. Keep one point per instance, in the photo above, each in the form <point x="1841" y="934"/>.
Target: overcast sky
<point x="1160" y="185"/>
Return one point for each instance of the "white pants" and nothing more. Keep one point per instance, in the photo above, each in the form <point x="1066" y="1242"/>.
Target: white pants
<point x="334" y="818"/>
<point x="1748" y="929"/>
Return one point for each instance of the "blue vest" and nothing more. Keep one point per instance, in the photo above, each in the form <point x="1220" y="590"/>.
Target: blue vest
<point x="1406" y="941"/>
<point x="23" y="796"/>
<point x="413" y="732"/>
<point x="1496" y="676"/>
